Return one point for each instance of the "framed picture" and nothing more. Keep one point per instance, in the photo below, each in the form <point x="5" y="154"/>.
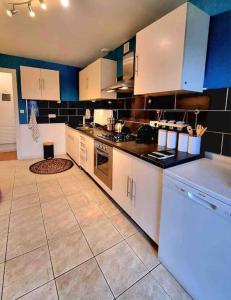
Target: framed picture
<point x="6" y="97"/>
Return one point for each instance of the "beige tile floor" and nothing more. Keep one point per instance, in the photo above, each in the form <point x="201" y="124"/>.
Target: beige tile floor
<point x="61" y="237"/>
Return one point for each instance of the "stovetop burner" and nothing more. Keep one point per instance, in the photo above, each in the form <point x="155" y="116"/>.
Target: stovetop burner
<point x="118" y="137"/>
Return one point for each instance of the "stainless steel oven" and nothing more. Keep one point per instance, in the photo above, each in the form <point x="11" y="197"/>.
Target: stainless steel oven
<point x="103" y="163"/>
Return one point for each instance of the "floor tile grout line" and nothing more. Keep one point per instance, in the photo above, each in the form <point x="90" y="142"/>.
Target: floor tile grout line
<point x="123" y="239"/>
<point x="47" y="241"/>
<point x="4" y="268"/>
<point x="89" y="246"/>
<point x="94" y="256"/>
<point x="35" y="289"/>
<point x="149" y="272"/>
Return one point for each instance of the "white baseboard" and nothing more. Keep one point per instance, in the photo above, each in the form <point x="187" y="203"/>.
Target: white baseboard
<point x="27" y="157"/>
<point x="7" y="147"/>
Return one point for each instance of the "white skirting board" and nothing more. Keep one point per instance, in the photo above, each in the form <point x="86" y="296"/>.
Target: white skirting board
<point x="27" y="148"/>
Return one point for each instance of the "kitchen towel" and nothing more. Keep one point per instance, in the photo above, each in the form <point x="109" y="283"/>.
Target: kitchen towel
<point x="33" y="125"/>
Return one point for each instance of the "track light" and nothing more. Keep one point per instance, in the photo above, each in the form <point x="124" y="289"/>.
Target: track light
<point x="43" y="4"/>
<point x="31" y="12"/>
<point x="65" y="3"/>
<point x="11" y="12"/>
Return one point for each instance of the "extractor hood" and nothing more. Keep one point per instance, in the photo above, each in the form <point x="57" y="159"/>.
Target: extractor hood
<point x="127" y="84"/>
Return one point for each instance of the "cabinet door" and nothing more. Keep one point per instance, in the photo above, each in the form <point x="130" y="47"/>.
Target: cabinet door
<point x="76" y="147"/>
<point x="146" y="196"/>
<point x="122" y="179"/>
<point x="50" y="85"/>
<point x="83" y="84"/>
<point x="82" y="152"/>
<point x="94" y="80"/>
<point x="108" y="77"/>
<point x="69" y="142"/>
<point x="159" y="54"/>
<point x="30" y="83"/>
<point x="90" y="155"/>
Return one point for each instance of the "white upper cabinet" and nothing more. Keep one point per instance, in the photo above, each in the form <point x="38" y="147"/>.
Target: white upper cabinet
<point x="171" y="52"/>
<point x="50" y="85"/>
<point x="96" y="77"/>
<point x="39" y="84"/>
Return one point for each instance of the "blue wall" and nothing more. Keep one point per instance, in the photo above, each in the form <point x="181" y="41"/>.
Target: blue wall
<point x="218" y="63"/>
<point x="213" y="7"/>
<point x="69" y="88"/>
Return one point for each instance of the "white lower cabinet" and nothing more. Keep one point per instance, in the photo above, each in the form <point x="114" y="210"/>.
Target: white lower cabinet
<point x="86" y="153"/>
<point x="137" y="188"/>
<point x="72" y="144"/>
<point x="122" y="175"/>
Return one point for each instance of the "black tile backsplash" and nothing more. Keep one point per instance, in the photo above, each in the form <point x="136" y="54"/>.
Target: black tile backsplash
<point x="219" y="121"/>
<point x="214" y="112"/>
<point x="164" y="102"/>
<point x="212" y="142"/>
<point x="226" y="149"/>
<point x="229" y="100"/>
<point x="217" y="98"/>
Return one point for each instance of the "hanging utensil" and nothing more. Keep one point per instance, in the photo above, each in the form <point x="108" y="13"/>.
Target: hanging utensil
<point x="190" y="130"/>
<point x="203" y="131"/>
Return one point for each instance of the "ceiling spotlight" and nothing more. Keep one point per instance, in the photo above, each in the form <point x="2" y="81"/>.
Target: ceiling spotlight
<point x="31" y="12"/>
<point x="65" y="3"/>
<point x="11" y="12"/>
<point x="43" y="4"/>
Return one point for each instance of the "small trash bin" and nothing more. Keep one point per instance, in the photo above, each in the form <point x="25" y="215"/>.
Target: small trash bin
<point x="48" y="150"/>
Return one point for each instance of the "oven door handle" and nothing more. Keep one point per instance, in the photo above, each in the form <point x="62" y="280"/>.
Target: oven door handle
<point x="101" y="153"/>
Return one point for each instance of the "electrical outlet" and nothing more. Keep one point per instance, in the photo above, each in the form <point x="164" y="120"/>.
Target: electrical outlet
<point x="21" y="111"/>
<point x="152" y="123"/>
<point x="126" y="47"/>
<point x="52" y="116"/>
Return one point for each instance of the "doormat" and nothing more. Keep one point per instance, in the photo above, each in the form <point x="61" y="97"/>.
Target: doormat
<point x="51" y="166"/>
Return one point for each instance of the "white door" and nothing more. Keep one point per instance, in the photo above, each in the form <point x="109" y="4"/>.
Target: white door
<point x="7" y="113"/>
<point x="83" y="84"/>
<point x="159" y="54"/>
<point x="30" y="83"/>
<point x="146" y="196"/>
<point x="50" y="85"/>
<point x="122" y="176"/>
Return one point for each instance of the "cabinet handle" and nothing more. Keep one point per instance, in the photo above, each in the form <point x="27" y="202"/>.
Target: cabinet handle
<point x="39" y="83"/>
<point x="43" y="84"/>
<point x="128" y="184"/>
<point x="133" y="190"/>
<point x="136" y="64"/>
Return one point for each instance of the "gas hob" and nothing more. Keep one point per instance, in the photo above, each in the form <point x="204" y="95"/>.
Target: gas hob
<point x="118" y="137"/>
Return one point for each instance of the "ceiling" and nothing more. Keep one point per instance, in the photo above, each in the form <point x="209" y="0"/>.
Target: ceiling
<point x="75" y="35"/>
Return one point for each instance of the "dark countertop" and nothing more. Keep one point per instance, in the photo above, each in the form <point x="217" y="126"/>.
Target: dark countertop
<point x="139" y="150"/>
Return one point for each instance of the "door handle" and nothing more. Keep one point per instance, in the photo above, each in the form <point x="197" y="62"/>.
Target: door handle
<point x="201" y="201"/>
